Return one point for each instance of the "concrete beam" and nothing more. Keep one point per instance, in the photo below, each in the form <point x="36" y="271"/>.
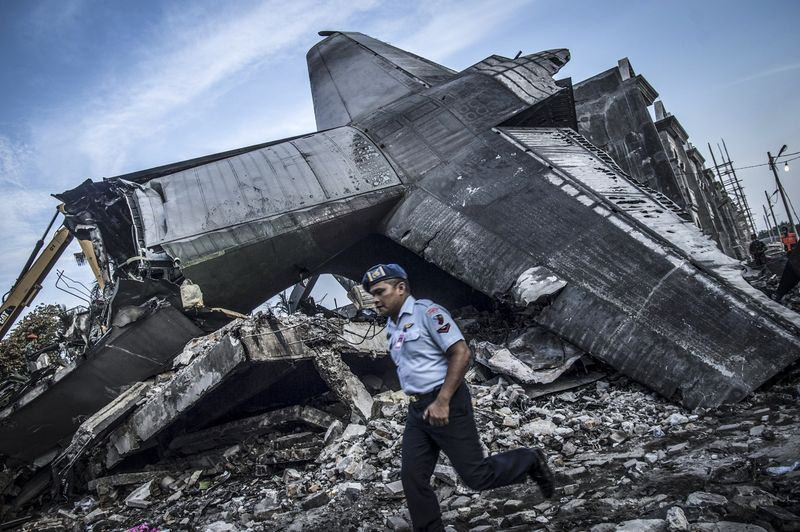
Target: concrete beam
<point x="344" y="384"/>
<point x="259" y="341"/>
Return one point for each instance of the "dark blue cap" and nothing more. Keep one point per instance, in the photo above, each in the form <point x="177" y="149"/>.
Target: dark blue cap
<point x="381" y="272"/>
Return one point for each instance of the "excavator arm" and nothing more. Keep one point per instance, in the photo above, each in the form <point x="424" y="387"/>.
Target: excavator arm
<point x="30" y="281"/>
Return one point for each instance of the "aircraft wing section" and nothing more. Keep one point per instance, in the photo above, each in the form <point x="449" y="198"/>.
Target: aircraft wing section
<point x="353" y="74"/>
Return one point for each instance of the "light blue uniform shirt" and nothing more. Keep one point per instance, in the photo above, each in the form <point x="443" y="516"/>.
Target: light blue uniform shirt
<point x="418" y="342"/>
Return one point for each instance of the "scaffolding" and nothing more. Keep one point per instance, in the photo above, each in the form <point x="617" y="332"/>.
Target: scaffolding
<point x="732" y="185"/>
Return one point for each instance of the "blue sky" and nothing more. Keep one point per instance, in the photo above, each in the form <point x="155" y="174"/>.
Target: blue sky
<point x="93" y="89"/>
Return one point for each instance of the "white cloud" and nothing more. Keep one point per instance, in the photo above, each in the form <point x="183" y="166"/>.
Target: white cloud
<point x="766" y="73"/>
<point x="213" y="54"/>
<point x="447" y="27"/>
<point x="14" y="158"/>
<point x="267" y="125"/>
<point x="25" y="216"/>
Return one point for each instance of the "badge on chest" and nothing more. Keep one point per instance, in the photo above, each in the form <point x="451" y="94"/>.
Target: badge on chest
<point x="398" y="343"/>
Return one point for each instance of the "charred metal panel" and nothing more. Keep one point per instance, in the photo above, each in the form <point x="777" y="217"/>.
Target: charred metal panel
<point x="557" y="110"/>
<point x="289" y="176"/>
<point x="352" y="74"/>
<point x="529" y="77"/>
<point x="53" y="411"/>
<point x="422" y="132"/>
<point x="246" y="227"/>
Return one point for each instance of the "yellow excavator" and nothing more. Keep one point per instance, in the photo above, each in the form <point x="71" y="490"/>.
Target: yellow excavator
<point x="29" y="282"/>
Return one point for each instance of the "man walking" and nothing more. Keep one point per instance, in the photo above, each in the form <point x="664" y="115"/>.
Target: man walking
<point x="432" y="358"/>
<point x="758" y="251"/>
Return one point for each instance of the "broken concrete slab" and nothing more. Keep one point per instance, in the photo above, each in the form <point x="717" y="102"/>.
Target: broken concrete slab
<point x="96" y="427"/>
<point x="262" y="340"/>
<point x="140" y="497"/>
<point x="344" y="384"/>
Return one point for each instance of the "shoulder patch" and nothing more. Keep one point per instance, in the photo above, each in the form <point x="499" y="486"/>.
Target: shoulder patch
<point x="444" y="329"/>
<point x="432" y="310"/>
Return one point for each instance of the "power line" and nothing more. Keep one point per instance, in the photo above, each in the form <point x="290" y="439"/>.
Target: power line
<point x="767" y="164"/>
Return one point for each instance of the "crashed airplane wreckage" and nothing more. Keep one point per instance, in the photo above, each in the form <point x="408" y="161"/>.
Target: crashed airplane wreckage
<point x="476" y="181"/>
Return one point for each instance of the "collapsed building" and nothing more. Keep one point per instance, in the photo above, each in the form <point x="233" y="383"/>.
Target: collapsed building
<point x="477" y="181"/>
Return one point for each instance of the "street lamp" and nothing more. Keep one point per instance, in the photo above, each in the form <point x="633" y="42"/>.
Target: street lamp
<point x="786" y="166"/>
<point x="772" y="160"/>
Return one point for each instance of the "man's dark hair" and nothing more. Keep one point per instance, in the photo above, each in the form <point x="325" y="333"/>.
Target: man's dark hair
<point x="396" y="281"/>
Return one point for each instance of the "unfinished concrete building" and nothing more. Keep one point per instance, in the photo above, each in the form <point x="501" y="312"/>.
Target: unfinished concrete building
<point x="613" y="113"/>
<point x="718" y="222"/>
<point x="474" y="180"/>
<point x="612" y="110"/>
<point x="676" y="142"/>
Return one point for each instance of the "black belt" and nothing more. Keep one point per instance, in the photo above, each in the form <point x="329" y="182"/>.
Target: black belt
<point x="414" y="397"/>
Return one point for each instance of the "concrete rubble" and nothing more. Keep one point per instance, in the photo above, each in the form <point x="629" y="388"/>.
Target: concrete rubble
<point x="611" y="443"/>
<point x="653" y="369"/>
<point x="625" y="458"/>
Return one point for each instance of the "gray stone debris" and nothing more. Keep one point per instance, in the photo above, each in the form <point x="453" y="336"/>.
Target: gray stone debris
<point x="676" y="520"/>
<point x="139" y="498"/>
<point x="642" y="525"/>
<point x="701" y="498"/>
<point x="397" y="523"/>
<point x="346" y="386"/>
<point x="279" y="470"/>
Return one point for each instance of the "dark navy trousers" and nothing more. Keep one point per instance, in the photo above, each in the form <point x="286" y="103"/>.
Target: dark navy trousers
<point x="459" y="441"/>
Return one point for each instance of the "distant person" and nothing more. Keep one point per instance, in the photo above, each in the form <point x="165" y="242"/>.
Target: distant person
<point x="791" y="274"/>
<point x="788" y="239"/>
<point x="758" y="251"/>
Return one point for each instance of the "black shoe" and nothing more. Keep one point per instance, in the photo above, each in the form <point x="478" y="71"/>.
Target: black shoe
<point x="541" y="474"/>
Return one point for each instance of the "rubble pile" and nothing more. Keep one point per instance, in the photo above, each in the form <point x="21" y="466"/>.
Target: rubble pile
<point x="766" y="280"/>
<point x="48" y="338"/>
<point x="41" y="328"/>
<point x="624" y="458"/>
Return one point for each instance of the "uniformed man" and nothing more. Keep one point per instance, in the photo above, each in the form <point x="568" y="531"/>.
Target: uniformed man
<point x="432" y="358"/>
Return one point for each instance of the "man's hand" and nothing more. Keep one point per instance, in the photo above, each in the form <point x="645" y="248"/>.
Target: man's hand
<point x="437" y="413"/>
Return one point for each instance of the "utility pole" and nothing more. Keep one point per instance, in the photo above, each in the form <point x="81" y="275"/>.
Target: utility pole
<point x="769" y="224"/>
<point x="766" y="222"/>
<point x="793" y="228"/>
<point x="769" y="203"/>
